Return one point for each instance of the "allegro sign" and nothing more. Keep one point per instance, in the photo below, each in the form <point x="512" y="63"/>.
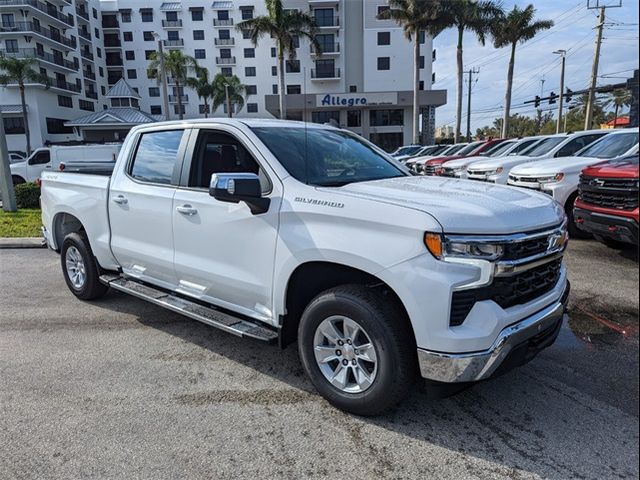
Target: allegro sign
<point x="357" y="99"/>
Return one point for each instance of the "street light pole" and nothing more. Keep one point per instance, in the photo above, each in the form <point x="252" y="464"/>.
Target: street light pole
<point x="228" y="99"/>
<point x="562" y="53"/>
<point x="163" y="78"/>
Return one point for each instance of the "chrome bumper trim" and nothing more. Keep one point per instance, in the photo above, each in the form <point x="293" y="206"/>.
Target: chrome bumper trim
<point x="471" y="367"/>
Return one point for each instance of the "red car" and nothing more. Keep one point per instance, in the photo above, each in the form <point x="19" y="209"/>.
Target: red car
<point x="474" y="149"/>
<point x="607" y="205"/>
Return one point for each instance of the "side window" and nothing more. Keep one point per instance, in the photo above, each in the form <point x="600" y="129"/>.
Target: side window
<point x="576" y="144"/>
<point x="40" y="158"/>
<point x="156" y="157"/>
<point x="219" y="152"/>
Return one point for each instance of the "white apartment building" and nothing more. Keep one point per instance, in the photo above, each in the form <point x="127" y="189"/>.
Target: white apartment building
<point x="362" y="80"/>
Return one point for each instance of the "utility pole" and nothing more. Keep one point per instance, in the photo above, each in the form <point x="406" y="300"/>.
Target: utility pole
<point x="163" y="78"/>
<point x="588" y="119"/>
<point x="562" y="53"/>
<point x="471" y="72"/>
<point x="6" y="182"/>
<point x="228" y="99"/>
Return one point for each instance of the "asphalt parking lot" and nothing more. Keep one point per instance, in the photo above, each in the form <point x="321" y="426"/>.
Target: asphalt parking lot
<point x="121" y="389"/>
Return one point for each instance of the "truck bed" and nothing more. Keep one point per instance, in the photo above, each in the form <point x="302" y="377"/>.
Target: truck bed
<point x="88" y="168"/>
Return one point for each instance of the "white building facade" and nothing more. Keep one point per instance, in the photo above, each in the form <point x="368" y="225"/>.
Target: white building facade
<point x="362" y="80"/>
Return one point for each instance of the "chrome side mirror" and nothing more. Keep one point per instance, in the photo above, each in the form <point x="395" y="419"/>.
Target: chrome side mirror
<point x="239" y="187"/>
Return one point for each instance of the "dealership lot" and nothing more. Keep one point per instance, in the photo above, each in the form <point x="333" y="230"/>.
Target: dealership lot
<point x="120" y="388"/>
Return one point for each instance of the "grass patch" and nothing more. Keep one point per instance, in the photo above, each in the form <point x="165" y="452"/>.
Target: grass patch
<point x="25" y="222"/>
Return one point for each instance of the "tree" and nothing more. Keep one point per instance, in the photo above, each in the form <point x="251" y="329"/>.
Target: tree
<point x="237" y="93"/>
<point x="20" y="71"/>
<point x="285" y="26"/>
<point x="202" y="86"/>
<point x="177" y="65"/>
<point x="477" y="16"/>
<point x="517" y="26"/>
<point x="416" y="16"/>
<point x="620" y="97"/>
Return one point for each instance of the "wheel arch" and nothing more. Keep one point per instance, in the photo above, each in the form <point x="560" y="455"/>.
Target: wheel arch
<point x="63" y="224"/>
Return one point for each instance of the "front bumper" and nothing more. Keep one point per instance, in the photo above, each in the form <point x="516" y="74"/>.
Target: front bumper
<point x="622" y="229"/>
<point x="515" y="345"/>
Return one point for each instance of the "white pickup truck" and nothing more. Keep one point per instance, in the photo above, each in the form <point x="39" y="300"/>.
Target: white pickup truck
<point x="282" y="231"/>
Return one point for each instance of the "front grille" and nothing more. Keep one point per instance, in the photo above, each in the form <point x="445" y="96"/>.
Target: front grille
<point x="429" y="170"/>
<point x="477" y="172"/>
<point x="527" y="248"/>
<point x="448" y="172"/>
<point x="531" y="180"/>
<point x="507" y="291"/>
<point x="616" y="193"/>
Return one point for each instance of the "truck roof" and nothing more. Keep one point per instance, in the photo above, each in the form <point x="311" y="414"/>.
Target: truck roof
<point x="248" y="122"/>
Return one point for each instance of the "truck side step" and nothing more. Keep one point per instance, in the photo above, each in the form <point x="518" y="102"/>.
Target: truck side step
<point x="210" y="316"/>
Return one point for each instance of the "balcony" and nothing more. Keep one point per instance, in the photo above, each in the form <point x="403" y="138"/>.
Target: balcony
<point x="330" y="22"/>
<point x="31" y="27"/>
<point x="224" y="42"/>
<point x="173" y="43"/>
<point x="85" y="35"/>
<point x="112" y="43"/>
<point x="63" y="85"/>
<point x="114" y="62"/>
<point x="174" y="98"/>
<point x="109" y="22"/>
<point x="91" y="94"/>
<point x="325" y="74"/>
<point x="51" y="11"/>
<point x="50" y="58"/>
<point x="89" y="75"/>
<point x="223" y="23"/>
<point x="171" y="23"/>
<point x="87" y="55"/>
<point x="82" y="13"/>
<point x="327" y="49"/>
<point x="225" y="60"/>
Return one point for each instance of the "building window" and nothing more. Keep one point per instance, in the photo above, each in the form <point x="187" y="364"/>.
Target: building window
<point x="176" y="109"/>
<point x="324" y="116"/>
<point x="274" y="89"/>
<point x="421" y="61"/>
<point x="202" y="108"/>
<point x="249" y="53"/>
<point x="65" y="101"/>
<point x="382" y="8"/>
<point x="155" y="110"/>
<point x="96" y="32"/>
<point x="173" y="35"/>
<point x="103" y="89"/>
<point x="95" y="13"/>
<point x="197" y="15"/>
<point x="246" y="34"/>
<point x="131" y="73"/>
<point x="171" y="16"/>
<point x="324" y="17"/>
<point x="353" y="88"/>
<point x="384" y="38"/>
<point x="101" y="71"/>
<point x="11" y="45"/>
<point x="384" y="63"/>
<point x="148" y="54"/>
<point x="127" y="36"/>
<point x="274" y="71"/>
<point x="433" y="77"/>
<point x="252" y="90"/>
<point x="99" y="52"/>
<point x="130" y="55"/>
<point x="250" y="71"/>
<point x="198" y="34"/>
<point x="325" y="69"/>
<point x="252" y="107"/>
<point x="296" y="116"/>
<point x="147" y="36"/>
<point x="13" y="125"/>
<point x="223" y="14"/>
<point x="226" y="71"/>
<point x="421" y="85"/>
<point x="55" y="126"/>
<point x="86" y="105"/>
<point x="224" y="34"/>
<point x="125" y="17"/>
<point x="326" y="42"/>
<point x="147" y="15"/>
<point x="247" y="13"/>
<point x="422" y="36"/>
<point x="294" y="90"/>
<point x="154" y="91"/>
<point x="354" y="118"/>
<point x="386" y="118"/>
<point x="200" y="53"/>
<point x="292" y="66"/>
<point x="273" y="52"/>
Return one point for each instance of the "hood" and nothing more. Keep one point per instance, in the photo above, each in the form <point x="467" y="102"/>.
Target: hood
<point x="462" y="162"/>
<point x="440" y="160"/>
<point x="463" y="206"/>
<point x="554" y="165"/>
<point x="616" y="168"/>
<point x="504" y="162"/>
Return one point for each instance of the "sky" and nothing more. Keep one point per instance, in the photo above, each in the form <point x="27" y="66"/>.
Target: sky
<point x="574" y="31"/>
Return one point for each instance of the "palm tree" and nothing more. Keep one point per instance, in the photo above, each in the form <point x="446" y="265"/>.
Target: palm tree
<point x="620" y="97"/>
<point x="223" y="85"/>
<point x="175" y="64"/>
<point x="203" y="87"/>
<point x="517" y="26"/>
<point x="285" y="26"/>
<point x="416" y="16"/>
<point x="21" y="71"/>
<point x="478" y="17"/>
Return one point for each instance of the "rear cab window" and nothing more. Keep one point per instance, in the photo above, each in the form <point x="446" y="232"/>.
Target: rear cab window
<point x="156" y="159"/>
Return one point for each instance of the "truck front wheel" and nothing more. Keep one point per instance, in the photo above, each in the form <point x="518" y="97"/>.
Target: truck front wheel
<point x="357" y="349"/>
<point x="80" y="269"/>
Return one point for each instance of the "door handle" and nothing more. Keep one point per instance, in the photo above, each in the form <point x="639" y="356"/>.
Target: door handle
<point x="120" y="200"/>
<point x="187" y="210"/>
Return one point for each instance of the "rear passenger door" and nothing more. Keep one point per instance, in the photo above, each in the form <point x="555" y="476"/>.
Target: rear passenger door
<point x="140" y="206"/>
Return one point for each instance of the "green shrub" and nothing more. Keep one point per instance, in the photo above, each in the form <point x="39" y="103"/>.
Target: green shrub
<point x="28" y="195"/>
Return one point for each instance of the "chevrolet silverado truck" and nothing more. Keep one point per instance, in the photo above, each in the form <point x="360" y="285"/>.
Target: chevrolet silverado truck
<point x="482" y="149"/>
<point x="607" y="205"/>
<point x="283" y="231"/>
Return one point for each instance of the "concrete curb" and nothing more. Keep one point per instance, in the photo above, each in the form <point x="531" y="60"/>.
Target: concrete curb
<point x="29" y="242"/>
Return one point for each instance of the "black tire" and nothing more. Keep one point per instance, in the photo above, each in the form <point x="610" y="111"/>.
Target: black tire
<point x="17" y="180"/>
<point x="389" y="332"/>
<point x="574" y="230"/>
<point x="91" y="288"/>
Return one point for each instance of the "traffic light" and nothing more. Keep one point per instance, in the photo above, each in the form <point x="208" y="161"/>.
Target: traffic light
<point x="552" y="98"/>
<point x="567" y="95"/>
<point x="537" y="101"/>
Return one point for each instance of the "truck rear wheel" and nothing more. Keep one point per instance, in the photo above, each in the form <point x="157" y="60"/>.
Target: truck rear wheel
<point x="357" y="349"/>
<point x="80" y="269"/>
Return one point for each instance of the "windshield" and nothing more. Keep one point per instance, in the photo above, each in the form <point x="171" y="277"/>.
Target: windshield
<point x="611" y="146"/>
<point x="453" y="149"/>
<point x="524" y="145"/>
<point x="407" y="150"/>
<point x="323" y="157"/>
<point x="544" y="146"/>
<point x="468" y="148"/>
<point x="499" y="149"/>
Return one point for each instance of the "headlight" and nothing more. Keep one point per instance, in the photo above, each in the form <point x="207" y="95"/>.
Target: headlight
<point x="551" y="179"/>
<point x="442" y="247"/>
<point x="497" y="171"/>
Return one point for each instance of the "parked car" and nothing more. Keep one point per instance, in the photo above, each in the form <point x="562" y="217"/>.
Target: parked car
<point x="277" y="231"/>
<point x="406" y="150"/>
<point x="29" y="169"/>
<point x="475" y="149"/>
<point x="559" y="177"/>
<point x="448" y="150"/>
<point x="429" y="150"/>
<point x="607" y="205"/>
<point x="562" y="145"/>
<point x="458" y="168"/>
